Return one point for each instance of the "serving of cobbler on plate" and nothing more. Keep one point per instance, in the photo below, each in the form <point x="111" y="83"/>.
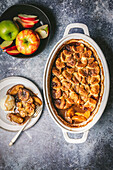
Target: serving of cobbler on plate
<point x="21" y="103"/>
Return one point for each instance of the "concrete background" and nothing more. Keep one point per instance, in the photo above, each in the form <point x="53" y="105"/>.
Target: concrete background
<point x="43" y="145"/>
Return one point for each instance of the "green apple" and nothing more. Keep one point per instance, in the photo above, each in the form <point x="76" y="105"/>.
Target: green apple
<point x="8" y="30"/>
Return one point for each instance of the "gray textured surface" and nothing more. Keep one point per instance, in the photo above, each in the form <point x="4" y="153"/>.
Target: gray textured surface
<point x="47" y="149"/>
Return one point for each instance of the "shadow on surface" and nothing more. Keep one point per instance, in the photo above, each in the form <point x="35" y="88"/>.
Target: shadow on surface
<point x="108" y="53"/>
<point x="102" y="157"/>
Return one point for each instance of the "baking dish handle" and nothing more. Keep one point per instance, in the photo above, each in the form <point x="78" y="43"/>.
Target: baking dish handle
<point x="76" y="25"/>
<point x="70" y="140"/>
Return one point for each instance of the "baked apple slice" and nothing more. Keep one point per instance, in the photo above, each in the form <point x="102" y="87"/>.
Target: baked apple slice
<point x="23" y="94"/>
<point x="79" y="119"/>
<point x="15" y="118"/>
<point x="37" y="100"/>
<point x="14" y="90"/>
<point x="86" y="114"/>
<point x="6" y="44"/>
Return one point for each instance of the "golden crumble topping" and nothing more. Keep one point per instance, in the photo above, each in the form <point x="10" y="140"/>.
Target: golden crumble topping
<point x="75" y="82"/>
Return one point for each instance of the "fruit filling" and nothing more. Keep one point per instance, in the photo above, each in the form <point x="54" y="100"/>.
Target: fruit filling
<point x="21" y="102"/>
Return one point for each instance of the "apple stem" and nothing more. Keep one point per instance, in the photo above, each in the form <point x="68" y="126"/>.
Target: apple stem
<point x="10" y="34"/>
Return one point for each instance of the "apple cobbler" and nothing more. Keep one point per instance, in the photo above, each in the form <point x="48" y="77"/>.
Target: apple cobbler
<point x="25" y="103"/>
<point x="76" y="82"/>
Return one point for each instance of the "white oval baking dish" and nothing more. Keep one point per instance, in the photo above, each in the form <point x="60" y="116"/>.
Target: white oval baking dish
<point x="102" y="106"/>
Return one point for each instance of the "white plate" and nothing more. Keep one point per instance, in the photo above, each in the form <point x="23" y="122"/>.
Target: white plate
<point x="7" y="83"/>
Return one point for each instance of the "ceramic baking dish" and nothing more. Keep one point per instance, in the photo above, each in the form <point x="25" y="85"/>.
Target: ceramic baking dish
<point x="46" y="83"/>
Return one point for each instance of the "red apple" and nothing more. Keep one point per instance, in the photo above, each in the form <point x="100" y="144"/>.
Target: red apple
<point x="24" y="24"/>
<point x="10" y="48"/>
<point x="27" y="42"/>
<point x="28" y="21"/>
<point x="37" y="36"/>
<point x="6" y="44"/>
<point x="27" y="17"/>
<point x="27" y="25"/>
<point x="13" y="52"/>
<point x="43" y="31"/>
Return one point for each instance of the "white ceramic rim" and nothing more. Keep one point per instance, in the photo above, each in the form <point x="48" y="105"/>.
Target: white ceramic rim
<point x="106" y="82"/>
<point x="20" y="80"/>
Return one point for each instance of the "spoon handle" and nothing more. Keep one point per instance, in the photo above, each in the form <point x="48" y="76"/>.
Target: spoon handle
<point x="19" y="132"/>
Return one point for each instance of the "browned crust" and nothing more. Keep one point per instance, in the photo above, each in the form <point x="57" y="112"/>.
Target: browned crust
<point x="30" y="99"/>
<point x="102" y="85"/>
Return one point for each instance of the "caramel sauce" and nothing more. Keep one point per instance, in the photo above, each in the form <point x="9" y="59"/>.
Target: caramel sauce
<point x="62" y="112"/>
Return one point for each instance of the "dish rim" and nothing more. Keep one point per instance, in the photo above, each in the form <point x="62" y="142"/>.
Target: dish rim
<point x="106" y="82"/>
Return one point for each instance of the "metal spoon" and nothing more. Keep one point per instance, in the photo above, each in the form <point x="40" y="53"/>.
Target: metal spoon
<point x="19" y="132"/>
